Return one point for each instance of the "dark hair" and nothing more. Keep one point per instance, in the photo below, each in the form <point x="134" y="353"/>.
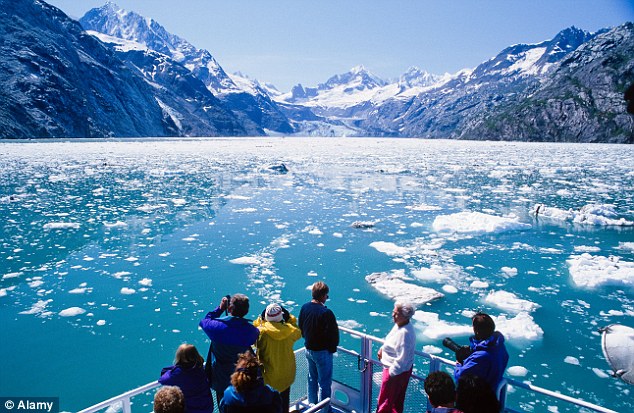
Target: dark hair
<point x="474" y="395"/>
<point x="247" y="373"/>
<point x="320" y="290"/>
<point x="240" y="304"/>
<point x="169" y="399"/>
<point x="440" y="389"/>
<point x="483" y="325"/>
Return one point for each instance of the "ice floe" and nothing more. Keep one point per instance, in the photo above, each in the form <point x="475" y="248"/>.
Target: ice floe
<point x="510" y="302"/>
<point x="594" y="270"/>
<point x="476" y="223"/>
<point x="572" y="360"/>
<point x="591" y="214"/>
<point x="517" y="371"/>
<point x="146" y="282"/>
<point x="389" y="248"/>
<point x="127" y="291"/>
<point x="392" y="285"/>
<point x="72" y="312"/>
<point x="61" y="225"/>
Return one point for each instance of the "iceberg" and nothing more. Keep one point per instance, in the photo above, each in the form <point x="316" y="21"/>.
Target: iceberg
<point x="393" y="286"/>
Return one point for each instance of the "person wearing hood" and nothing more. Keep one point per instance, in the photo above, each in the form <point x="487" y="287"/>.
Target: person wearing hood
<point x="247" y="392"/>
<point x="274" y="347"/>
<point x="488" y="358"/>
<point x="188" y="374"/>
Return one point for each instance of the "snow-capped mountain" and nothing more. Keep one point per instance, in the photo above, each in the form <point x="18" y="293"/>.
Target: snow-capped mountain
<point x="58" y="81"/>
<point x="244" y="97"/>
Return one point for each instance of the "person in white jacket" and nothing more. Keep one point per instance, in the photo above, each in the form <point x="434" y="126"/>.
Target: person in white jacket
<point x="397" y="356"/>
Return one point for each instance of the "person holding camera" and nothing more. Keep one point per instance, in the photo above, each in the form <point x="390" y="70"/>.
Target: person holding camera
<point x="397" y="356"/>
<point x="321" y="338"/>
<point x="488" y="358"/>
<point x="274" y="347"/>
<point x="230" y="335"/>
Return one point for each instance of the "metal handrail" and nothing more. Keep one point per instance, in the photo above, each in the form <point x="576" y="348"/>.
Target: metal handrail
<point x="435" y="363"/>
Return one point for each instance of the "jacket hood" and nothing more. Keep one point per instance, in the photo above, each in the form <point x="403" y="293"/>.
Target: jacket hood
<point x="493" y="341"/>
<point x="275" y="330"/>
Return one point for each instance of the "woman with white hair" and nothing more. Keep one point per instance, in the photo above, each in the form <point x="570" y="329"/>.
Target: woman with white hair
<point x="397" y="356"/>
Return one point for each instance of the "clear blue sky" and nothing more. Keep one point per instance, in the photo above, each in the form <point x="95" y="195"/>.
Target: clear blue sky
<point x="286" y="42"/>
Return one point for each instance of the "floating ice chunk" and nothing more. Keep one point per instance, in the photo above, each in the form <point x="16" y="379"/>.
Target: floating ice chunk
<point x="363" y="224"/>
<point x="11" y="275"/>
<point x="479" y="284"/>
<point x="626" y="246"/>
<point x="518" y="329"/>
<point x="240" y="197"/>
<point x="245" y="210"/>
<point x="433" y="327"/>
<point x="179" y="201"/>
<point x="476" y="223"/>
<point x="3" y="292"/>
<point x="517" y="371"/>
<point x="351" y="324"/>
<point x="117" y="224"/>
<point x="433" y="273"/>
<point x="393" y="286"/>
<point x="252" y="260"/>
<point x="591" y="214"/>
<point x="312" y="273"/>
<point x="600" y="373"/>
<point x="572" y="360"/>
<point x="127" y="291"/>
<point x="315" y="231"/>
<point x="146" y="282"/>
<point x="430" y="349"/>
<point x="424" y="207"/>
<point x="337" y="234"/>
<point x="119" y="275"/>
<point x="101" y="322"/>
<point x="510" y="302"/>
<point x="511" y="272"/>
<point x="61" y="225"/>
<point x="593" y="270"/>
<point x="586" y="248"/>
<point x="389" y="248"/>
<point x="449" y="289"/>
<point x="37" y="308"/>
<point x="79" y="290"/>
<point x="72" y="312"/>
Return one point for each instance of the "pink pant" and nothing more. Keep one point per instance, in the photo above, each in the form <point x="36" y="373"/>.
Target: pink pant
<point x="392" y="394"/>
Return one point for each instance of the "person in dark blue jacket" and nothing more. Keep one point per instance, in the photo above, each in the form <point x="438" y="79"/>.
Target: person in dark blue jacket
<point x="248" y="393"/>
<point x="489" y="357"/>
<point x="230" y="336"/>
<point x="188" y="374"/>
<point x="321" y="338"/>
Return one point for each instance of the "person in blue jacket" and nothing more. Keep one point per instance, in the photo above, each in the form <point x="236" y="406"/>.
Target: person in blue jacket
<point x="230" y="336"/>
<point x="488" y="358"/>
<point x="248" y="393"/>
<point x="188" y="374"/>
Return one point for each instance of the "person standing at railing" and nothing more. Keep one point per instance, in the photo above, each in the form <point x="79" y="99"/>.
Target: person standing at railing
<point x="278" y="332"/>
<point x="488" y="358"/>
<point x="397" y="356"/>
<point x="189" y="375"/>
<point x="321" y="338"/>
<point x="230" y="336"/>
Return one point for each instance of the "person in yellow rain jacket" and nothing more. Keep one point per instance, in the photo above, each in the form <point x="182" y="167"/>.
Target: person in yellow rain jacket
<point x="274" y="347"/>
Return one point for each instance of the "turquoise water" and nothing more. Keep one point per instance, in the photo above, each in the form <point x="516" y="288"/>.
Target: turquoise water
<point x="136" y="241"/>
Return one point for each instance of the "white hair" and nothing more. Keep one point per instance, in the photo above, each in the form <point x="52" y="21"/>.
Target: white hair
<point x="407" y="310"/>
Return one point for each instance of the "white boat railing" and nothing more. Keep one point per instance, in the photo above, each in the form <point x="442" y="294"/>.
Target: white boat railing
<point x="356" y="381"/>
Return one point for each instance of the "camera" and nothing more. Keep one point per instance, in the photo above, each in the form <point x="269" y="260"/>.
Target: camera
<point x="462" y="352"/>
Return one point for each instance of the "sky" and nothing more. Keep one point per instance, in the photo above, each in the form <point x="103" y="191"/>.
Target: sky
<point x="286" y="42"/>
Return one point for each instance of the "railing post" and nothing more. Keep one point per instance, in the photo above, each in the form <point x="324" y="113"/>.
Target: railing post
<point x="126" y="405"/>
<point x="366" y="374"/>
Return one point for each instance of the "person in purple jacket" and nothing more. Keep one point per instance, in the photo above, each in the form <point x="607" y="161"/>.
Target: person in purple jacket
<point x="188" y="374"/>
<point x="230" y="335"/>
<point x="488" y="358"/>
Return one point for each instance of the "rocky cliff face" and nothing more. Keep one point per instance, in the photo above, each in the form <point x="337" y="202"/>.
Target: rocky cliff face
<point x="582" y="100"/>
<point x="58" y="81"/>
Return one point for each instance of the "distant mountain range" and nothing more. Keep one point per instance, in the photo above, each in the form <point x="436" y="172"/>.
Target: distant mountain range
<point x="118" y="74"/>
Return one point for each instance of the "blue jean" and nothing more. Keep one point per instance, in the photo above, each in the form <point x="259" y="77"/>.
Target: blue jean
<point x="319" y="374"/>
